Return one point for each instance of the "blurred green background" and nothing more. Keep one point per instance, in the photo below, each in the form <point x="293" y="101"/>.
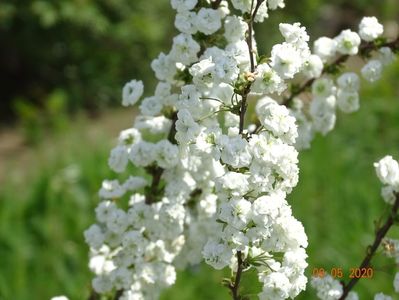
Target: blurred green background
<point x="62" y="66"/>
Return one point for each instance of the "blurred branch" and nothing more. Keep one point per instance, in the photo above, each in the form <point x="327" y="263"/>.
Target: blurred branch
<point x="156" y="172"/>
<point x="247" y="89"/>
<point x="216" y="4"/>
<point x="234" y="286"/>
<point x="371" y="250"/>
<point x="364" y="49"/>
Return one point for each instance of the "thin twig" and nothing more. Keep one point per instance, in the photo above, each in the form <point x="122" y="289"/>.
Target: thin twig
<point x="234" y="286"/>
<point x="364" y="48"/>
<point x="371" y="250"/>
<point x="156" y="172"/>
<point x="243" y="107"/>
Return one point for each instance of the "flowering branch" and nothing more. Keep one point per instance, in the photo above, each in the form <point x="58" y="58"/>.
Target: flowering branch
<point x="235" y="286"/>
<point x="364" y="49"/>
<point x="204" y="169"/>
<point x="156" y="171"/>
<point x="247" y="89"/>
<point x="371" y="250"/>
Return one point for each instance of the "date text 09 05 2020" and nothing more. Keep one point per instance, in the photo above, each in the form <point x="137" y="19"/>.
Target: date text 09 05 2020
<point x="340" y="273"/>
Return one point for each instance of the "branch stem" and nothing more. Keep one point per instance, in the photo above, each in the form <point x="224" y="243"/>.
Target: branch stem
<point x="216" y="4"/>
<point x="250" y="22"/>
<point x="371" y="250"/>
<point x="364" y="48"/>
<point x="234" y="286"/>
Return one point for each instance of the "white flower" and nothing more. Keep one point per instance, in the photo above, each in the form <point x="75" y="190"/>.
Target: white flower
<point x="267" y="81"/>
<point x="111" y="189"/>
<point x="349" y="82"/>
<point x="121" y="278"/>
<point x="168" y="275"/>
<point x="396" y="282"/>
<point x="240" y="52"/>
<point x="203" y="73"/>
<point x="118" y="159"/>
<point x="387" y="170"/>
<point x="235" y="151"/>
<point x="388" y="194"/>
<point x="142" y="154"/>
<point x="235" y="28"/>
<point x="102" y="284"/>
<point x="208" y="21"/>
<point x="117" y="221"/>
<point x="208" y="205"/>
<point x="266" y="209"/>
<point x="274" y="4"/>
<point x="327" y="287"/>
<point x="322" y="111"/>
<point x="218" y="255"/>
<point x="348" y="42"/>
<point x="261" y="13"/>
<point x="183" y="5"/>
<point x="184" y="49"/>
<point x="313" y="66"/>
<point x="372" y="70"/>
<point x="348" y="102"/>
<point x="325" y="48"/>
<point x="370" y="29"/>
<point x="275" y="286"/>
<point x="286" y="60"/>
<point x="294" y="33"/>
<point x="185" y="22"/>
<point x="129" y="136"/>
<point x="277" y="119"/>
<point x="236" y="212"/>
<point x="323" y="87"/>
<point x="352" y="296"/>
<point x="155" y="125"/>
<point x="386" y="56"/>
<point x="243" y="5"/>
<point x="231" y="120"/>
<point x="94" y="236"/>
<point x="187" y="129"/>
<point x="131" y="93"/>
<point x="234" y="183"/>
<point x="103" y="210"/>
<point x="167" y="154"/>
<point x="151" y="106"/>
<point x="381" y="296"/>
<point x="164" y="67"/>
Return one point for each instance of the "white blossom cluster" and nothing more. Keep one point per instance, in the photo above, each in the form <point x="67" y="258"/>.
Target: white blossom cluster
<point x="330" y="92"/>
<point x="329" y="288"/>
<point x="387" y="170"/>
<point x="216" y="188"/>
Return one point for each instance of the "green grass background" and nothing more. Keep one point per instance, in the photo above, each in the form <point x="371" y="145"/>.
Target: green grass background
<point x="47" y="200"/>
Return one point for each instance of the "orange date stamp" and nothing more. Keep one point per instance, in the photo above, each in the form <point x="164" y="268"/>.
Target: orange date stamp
<point x="337" y="272"/>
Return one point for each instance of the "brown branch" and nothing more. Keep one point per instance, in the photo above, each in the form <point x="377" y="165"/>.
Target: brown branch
<point x="364" y="49"/>
<point x="216" y="4"/>
<point x="156" y="172"/>
<point x="371" y="250"/>
<point x="250" y="22"/>
<point x="234" y="286"/>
